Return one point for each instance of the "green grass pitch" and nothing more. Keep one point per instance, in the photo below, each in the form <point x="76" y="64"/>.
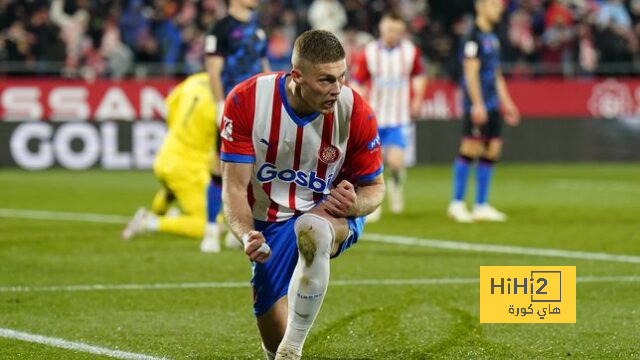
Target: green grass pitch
<point x="593" y="208"/>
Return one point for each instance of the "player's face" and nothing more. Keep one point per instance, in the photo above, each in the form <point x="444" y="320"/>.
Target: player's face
<point x="492" y="9"/>
<point x="321" y="84"/>
<point x="392" y="31"/>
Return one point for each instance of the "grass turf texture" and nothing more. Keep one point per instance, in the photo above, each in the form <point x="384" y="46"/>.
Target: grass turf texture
<point x="576" y="207"/>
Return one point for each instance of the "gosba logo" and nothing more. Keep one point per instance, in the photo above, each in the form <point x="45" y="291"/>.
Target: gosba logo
<point x="269" y="172"/>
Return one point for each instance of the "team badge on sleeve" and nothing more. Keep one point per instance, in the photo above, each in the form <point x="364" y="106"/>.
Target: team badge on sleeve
<point x="471" y="49"/>
<point x="329" y="154"/>
<point x="210" y="44"/>
<point x="227" y="130"/>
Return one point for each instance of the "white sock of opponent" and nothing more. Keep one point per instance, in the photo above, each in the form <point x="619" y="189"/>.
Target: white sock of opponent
<point x="310" y="279"/>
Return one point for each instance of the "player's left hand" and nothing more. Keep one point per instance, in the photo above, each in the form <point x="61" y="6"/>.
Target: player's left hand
<point x="342" y="200"/>
<point x="511" y="115"/>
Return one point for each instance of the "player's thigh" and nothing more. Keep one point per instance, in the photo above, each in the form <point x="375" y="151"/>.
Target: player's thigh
<point x="494" y="149"/>
<point x="189" y="188"/>
<point x="471" y="147"/>
<point x="340" y="225"/>
<point x="394" y="157"/>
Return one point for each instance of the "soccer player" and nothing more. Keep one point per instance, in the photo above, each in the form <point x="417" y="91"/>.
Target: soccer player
<point x="236" y="49"/>
<point x="183" y="164"/>
<point x="390" y="65"/>
<point x="301" y="167"/>
<point x="485" y="94"/>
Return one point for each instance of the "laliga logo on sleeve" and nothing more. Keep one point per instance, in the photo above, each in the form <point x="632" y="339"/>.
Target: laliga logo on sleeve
<point x="374" y="143"/>
<point x="227" y="129"/>
<point x="329" y="154"/>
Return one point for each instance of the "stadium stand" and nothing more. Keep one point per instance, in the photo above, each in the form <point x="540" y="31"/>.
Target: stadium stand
<point x="118" y="38"/>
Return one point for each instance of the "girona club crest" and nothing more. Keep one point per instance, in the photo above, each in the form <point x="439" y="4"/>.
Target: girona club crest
<point x="611" y="99"/>
<point x="329" y="154"/>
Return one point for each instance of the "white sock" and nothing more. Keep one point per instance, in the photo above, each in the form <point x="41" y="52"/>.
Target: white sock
<point x="211" y="231"/>
<point x="269" y="355"/>
<point x="310" y="278"/>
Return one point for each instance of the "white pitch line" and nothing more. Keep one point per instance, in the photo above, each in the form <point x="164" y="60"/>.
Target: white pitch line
<point x="59" y="215"/>
<point x="72" y="345"/>
<point x="500" y="249"/>
<point x="245" y="284"/>
<point x="383" y="238"/>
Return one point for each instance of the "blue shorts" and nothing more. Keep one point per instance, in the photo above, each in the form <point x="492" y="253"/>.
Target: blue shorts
<point x="393" y="136"/>
<point x="271" y="279"/>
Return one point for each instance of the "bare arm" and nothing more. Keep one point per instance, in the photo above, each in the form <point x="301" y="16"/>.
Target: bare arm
<point x="214" y="65"/>
<point x="369" y="196"/>
<point x="345" y="201"/>
<point x="503" y="92"/>
<point x="419" y="85"/>
<point x="236" y="178"/>
<point x="511" y="114"/>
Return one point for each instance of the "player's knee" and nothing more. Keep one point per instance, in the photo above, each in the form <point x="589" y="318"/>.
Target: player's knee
<point x="315" y="236"/>
<point x="492" y="154"/>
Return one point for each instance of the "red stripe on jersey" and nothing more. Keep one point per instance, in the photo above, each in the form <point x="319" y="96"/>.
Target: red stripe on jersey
<point x="327" y="133"/>
<point x="272" y="151"/>
<point x="296" y="166"/>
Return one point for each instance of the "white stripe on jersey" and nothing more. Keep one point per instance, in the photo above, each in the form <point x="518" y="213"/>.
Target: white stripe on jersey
<point x="263" y="111"/>
<point x="390" y="71"/>
<point x="286" y="154"/>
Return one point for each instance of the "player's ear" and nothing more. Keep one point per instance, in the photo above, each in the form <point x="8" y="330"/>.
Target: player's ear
<point x="296" y="76"/>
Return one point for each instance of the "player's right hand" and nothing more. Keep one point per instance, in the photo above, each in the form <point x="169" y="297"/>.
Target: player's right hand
<point x="478" y="114"/>
<point x="255" y="246"/>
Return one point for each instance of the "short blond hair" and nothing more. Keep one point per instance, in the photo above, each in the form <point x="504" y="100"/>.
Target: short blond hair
<point x="317" y="47"/>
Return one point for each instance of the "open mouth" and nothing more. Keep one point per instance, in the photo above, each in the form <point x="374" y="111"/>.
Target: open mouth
<point x="329" y="104"/>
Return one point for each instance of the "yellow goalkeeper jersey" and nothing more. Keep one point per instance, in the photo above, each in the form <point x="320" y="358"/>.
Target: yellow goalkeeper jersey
<point x="191" y="122"/>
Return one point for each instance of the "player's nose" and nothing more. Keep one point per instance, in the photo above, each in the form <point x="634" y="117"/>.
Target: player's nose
<point x="336" y="87"/>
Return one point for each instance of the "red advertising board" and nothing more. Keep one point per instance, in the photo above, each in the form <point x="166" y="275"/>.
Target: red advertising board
<point x="59" y="99"/>
<point x="548" y="98"/>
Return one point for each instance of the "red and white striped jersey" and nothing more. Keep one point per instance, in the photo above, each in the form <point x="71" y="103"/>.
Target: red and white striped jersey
<point x="296" y="160"/>
<point x="389" y="72"/>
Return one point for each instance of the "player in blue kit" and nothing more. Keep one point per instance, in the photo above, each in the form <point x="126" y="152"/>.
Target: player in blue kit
<point x="236" y="49"/>
<point x="485" y="96"/>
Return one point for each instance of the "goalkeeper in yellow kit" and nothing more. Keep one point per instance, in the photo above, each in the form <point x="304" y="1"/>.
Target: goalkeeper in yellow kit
<point x="183" y="165"/>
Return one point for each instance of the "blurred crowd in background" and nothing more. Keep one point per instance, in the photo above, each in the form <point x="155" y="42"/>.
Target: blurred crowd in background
<point x="118" y="38"/>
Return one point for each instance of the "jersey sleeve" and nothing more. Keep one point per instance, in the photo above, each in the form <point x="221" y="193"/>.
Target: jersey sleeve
<point x="417" y="68"/>
<point x="471" y="48"/>
<point x="361" y="72"/>
<point x="237" y="127"/>
<point x="216" y="42"/>
<point x="364" y="155"/>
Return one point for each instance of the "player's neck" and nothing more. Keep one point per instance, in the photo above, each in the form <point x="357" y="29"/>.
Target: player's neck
<point x="239" y="12"/>
<point x="388" y="44"/>
<point x="484" y="24"/>
<point x="296" y="102"/>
